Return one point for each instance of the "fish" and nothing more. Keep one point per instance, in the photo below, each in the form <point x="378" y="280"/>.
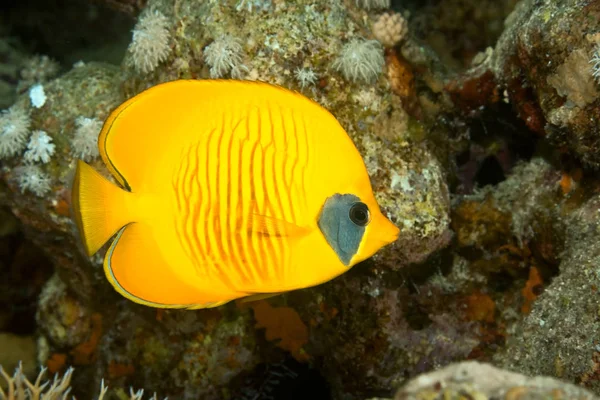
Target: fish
<point x="225" y="190"/>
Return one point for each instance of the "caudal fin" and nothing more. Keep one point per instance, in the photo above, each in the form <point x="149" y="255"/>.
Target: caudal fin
<point x="99" y="207"/>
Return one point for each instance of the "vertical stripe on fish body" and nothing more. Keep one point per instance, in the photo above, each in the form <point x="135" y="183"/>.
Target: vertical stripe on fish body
<point x="230" y="189"/>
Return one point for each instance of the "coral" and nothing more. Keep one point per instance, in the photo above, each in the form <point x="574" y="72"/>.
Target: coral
<point x="40" y="148"/>
<point x="390" y="29"/>
<point x="225" y="55"/>
<point x="14" y="129"/>
<point x="543" y="60"/>
<point x="559" y="336"/>
<point x="150" y="43"/>
<point x="595" y="61"/>
<point x="37" y="69"/>
<point x="85" y="141"/>
<point x="573" y="79"/>
<point x="37" y="96"/>
<point x="250" y="5"/>
<point x="369" y="4"/>
<point x="305" y="77"/>
<point x="360" y="60"/>
<point x="31" y="178"/>
<point x="66" y="322"/>
<point x="21" y="388"/>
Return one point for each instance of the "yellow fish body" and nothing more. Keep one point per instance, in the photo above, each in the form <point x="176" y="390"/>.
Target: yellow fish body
<point x="229" y="189"/>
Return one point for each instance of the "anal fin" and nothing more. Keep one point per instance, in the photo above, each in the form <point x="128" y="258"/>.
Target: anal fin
<point x="137" y="269"/>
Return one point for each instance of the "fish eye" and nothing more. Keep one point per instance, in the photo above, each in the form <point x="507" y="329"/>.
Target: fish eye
<point x="359" y="214"/>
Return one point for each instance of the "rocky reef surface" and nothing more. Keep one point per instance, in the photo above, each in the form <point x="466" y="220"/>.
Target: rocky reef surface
<point x="478" y="124"/>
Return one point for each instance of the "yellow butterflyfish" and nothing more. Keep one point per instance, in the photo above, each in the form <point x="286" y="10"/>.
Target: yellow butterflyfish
<point x="228" y="189"/>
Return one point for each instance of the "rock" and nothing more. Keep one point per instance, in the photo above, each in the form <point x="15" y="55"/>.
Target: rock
<point x="543" y="60"/>
<point x="17" y="349"/>
<point x="481" y="381"/>
<point x="543" y="66"/>
<point x="65" y="321"/>
<point x="559" y="337"/>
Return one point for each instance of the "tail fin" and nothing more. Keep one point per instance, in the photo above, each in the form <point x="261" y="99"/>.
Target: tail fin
<point x="99" y="207"/>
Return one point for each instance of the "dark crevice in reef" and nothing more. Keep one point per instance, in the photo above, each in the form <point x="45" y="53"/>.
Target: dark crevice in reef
<point x="287" y="379"/>
<point x="24" y="270"/>
<point x="498" y="140"/>
<point x="457" y="29"/>
<point x="67" y="30"/>
<point x="490" y="172"/>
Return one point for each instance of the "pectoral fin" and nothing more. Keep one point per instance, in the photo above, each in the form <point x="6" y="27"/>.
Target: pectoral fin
<point x="259" y="296"/>
<point x="274" y="227"/>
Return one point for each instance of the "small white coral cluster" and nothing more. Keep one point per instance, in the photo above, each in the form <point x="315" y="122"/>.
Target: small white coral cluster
<point x="225" y="55"/>
<point x="85" y="141"/>
<point x="360" y="60"/>
<point x="37" y="95"/>
<point x="369" y="4"/>
<point x="37" y="147"/>
<point x="150" y="44"/>
<point x="14" y="130"/>
<point x="38" y="69"/>
<point x="31" y="178"/>
<point x="595" y="61"/>
<point x="14" y="133"/>
<point x="40" y="148"/>
<point x="390" y="29"/>
<point x="305" y="77"/>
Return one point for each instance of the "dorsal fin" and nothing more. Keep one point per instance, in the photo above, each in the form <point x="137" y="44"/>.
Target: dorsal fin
<point x="151" y="129"/>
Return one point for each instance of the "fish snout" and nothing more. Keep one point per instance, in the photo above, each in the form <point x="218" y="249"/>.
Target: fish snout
<point x="388" y="232"/>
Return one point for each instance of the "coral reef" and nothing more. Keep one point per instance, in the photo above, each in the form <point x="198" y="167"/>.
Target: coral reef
<point x="542" y="63"/>
<point x="478" y="125"/>
<point x="547" y="343"/>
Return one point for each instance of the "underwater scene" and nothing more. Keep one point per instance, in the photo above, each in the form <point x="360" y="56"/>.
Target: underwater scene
<point x="299" y="199"/>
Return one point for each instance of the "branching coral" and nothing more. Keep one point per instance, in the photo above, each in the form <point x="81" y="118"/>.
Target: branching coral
<point x="40" y="148"/>
<point x="18" y="387"/>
